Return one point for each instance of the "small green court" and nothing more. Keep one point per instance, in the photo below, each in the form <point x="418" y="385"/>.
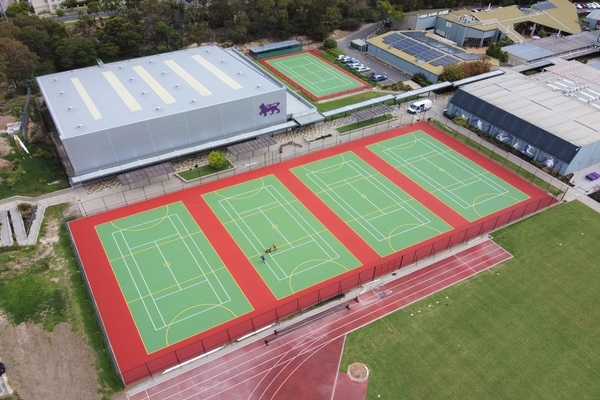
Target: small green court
<point x="314" y="74"/>
<point x="463" y="185"/>
<point x="263" y="212"/>
<point x="381" y="213"/>
<point x="173" y="281"/>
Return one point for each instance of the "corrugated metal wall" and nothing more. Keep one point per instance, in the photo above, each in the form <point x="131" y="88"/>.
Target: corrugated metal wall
<point x="128" y="143"/>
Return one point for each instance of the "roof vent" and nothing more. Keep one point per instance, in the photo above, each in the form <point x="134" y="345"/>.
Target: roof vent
<point x="163" y="73"/>
<point x="157" y="109"/>
<point x="144" y="92"/>
<point x="258" y="86"/>
<point x="222" y="61"/>
<point x="239" y="72"/>
<point x="131" y="78"/>
<point x="70" y="108"/>
<point x="79" y="126"/>
<point x="55" y="79"/>
<point x="62" y="92"/>
<point x="194" y="100"/>
<point x="177" y="85"/>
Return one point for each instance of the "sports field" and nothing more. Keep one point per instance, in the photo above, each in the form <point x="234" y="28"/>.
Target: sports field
<point x="527" y="329"/>
<point x="466" y="187"/>
<point x="263" y="214"/>
<point x="312" y="73"/>
<point x="178" y="275"/>
<point x="382" y="214"/>
<point x="173" y="281"/>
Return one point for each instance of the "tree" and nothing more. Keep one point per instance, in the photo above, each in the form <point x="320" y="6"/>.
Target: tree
<point x="217" y="160"/>
<point x="451" y="72"/>
<point x="20" y="7"/>
<point x="123" y="33"/>
<point x="19" y="61"/>
<point x="75" y="53"/>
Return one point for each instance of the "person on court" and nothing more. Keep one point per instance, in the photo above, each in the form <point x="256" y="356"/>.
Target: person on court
<point x="274" y="246"/>
<point x="262" y="258"/>
<point x="268" y="250"/>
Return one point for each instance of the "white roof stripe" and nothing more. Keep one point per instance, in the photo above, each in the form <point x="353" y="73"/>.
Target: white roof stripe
<point x="87" y="100"/>
<point x="154" y="85"/>
<point x="122" y="91"/>
<point x="190" y="80"/>
<point x="217" y="72"/>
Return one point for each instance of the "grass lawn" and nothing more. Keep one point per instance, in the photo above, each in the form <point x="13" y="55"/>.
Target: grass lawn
<point x="527" y="329"/>
<point x="39" y="173"/>
<point x="202" y="171"/>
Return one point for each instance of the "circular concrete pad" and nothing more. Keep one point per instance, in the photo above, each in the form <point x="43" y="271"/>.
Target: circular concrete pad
<point x="358" y="372"/>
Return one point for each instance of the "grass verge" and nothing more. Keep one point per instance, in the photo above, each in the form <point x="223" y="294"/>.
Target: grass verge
<point x="358" y="125"/>
<point x="522" y="330"/>
<point x="202" y="171"/>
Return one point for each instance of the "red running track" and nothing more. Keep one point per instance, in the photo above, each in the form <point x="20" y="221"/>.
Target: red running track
<point x="303" y="364"/>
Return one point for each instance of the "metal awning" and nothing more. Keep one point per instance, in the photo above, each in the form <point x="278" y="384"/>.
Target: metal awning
<point x="145" y="174"/>
<point x="372" y="112"/>
<point x="309" y="119"/>
<point x="251" y="145"/>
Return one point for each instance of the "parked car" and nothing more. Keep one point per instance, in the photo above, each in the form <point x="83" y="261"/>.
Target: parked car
<point x="378" y="77"/>
<point x="356" y="66"/>
<point x="363" y="68"/>
<point x="351" y="60"/>
<point x="343" y="57"/>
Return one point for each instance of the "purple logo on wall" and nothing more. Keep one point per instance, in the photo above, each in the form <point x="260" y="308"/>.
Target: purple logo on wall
<point x="269" y="108"/>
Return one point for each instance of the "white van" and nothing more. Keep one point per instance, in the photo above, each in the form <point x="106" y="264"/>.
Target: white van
<point x="420" y="106"/>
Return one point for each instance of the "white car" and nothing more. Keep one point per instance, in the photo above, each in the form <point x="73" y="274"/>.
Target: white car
<point x="356" y="66"/>
<point x="363" y="68"/>
<point x="342" y="57"/>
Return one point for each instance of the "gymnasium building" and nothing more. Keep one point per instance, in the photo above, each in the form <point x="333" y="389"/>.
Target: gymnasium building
<point x="117" y="117"/>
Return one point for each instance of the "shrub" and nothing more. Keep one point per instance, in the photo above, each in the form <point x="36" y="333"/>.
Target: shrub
<point x="217" y="160"/>
<point x="330" y="43"/>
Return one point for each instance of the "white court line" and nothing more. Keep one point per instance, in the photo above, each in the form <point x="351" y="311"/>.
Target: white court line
<point x="449" y="156"/>
<point x="375" y="181"/>
<point x="279" y="199"/>
<point x="180" y="289"/>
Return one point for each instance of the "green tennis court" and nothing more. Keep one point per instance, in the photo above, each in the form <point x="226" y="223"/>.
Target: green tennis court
<point x="174" y="282"/>
<point x="463" y="185"/>
<point x="380" y="212"/>
<point x="314" y="74"/>
<point x="261" y="212"/>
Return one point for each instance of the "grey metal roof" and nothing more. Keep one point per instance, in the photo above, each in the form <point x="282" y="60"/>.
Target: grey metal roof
<point x="110" y="95"/>
<point x="527" y="51"/>
<point x="275" y="46"/>
<point x="561" y="101"/>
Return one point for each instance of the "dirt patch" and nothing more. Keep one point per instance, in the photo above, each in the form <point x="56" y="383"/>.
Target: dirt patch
<point x="5" y="120"/>
<point x="6" y="165"/>
<point x="47" y="365"/>
<point x="5" y="147"/>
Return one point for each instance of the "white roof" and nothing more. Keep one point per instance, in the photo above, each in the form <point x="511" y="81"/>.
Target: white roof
<point x="115" y="94"/>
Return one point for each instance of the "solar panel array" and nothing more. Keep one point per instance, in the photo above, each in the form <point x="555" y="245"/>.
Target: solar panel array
<point x="426" y="49"/>
<point x="446" y="60"/>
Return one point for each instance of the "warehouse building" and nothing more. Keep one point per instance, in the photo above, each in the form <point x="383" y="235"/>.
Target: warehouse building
<point x="121" y="116"/>
<point x="552" y="117"/>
